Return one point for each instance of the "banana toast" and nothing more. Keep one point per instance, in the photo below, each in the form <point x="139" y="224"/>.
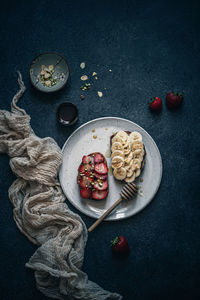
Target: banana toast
<point x="127" y="155"/>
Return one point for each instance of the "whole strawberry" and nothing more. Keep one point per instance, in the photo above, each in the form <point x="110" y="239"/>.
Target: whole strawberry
<point x="120" y="245"/>
<point x="174" y="100"/>
<point x="155" y="104"/>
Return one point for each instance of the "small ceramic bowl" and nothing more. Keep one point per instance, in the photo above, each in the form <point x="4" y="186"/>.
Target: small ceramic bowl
<point x="55" y="72"/>
<point x="67" y="113"/>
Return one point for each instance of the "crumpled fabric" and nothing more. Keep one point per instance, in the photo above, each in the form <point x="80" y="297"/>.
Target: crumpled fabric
<point x="40" y="211"/>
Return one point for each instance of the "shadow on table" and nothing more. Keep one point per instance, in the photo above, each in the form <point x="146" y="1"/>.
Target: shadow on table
<point x="50" y="97"/>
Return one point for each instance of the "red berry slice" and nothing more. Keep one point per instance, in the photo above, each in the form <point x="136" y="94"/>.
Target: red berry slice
<point x="102" y="177"/>
<point x="101" y="168"/>
<point x="87" y="159"/>
<point x="85" y="193"/>
<point x="101" y="185"/>
<point x="99" y="195"/>
<point x="85" y="182"/>
<point x="85" y="169"/>
<point x="98" y="158"/>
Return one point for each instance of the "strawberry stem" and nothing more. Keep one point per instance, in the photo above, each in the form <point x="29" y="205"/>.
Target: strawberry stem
<point x="115" y="241"/>
<point x="152" y="100"/>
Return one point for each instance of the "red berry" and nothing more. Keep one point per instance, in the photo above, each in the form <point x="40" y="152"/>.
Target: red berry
<point x="120" y="244"/>
<point x="85" y="193"/>
<point x="101" y="168"/>
<point x="102" y="177"/>
<point x="87" y="159"/>
<point x="99" y="195"/>
<point x="86" y="182"/>
<point x="174" y="100"/>
<point x="155" y="104"/>
<point x="86" y="169"/>
<point x="101" y="185"/>
<point x="98" y="158"/>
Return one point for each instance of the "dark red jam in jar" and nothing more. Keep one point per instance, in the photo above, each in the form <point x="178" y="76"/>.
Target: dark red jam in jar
<point x="67" y="113"/>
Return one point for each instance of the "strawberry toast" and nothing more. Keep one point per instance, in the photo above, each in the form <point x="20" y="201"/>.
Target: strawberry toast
<point x="93" y="177"/>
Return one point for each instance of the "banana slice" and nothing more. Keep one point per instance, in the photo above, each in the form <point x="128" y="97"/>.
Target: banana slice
<point x="137" y="173"/>
<point x="129" y="166"/>
<point x="128" y="158"/>
<point x="135" y="136"/>
<point x="115" y="139"/>
<point x="138" y="157"/>
<point x="133" y="167"/>
<point x="129" y="173"/>
<point x="122" y="135"/>
<point x="116" y="146"/>
<point x="126" y="142"/>
<point x="120" y="173"/>
<point x="137" y="145"/>
<point x="127" y="150"/>
<point x="117" y="162"/>
<point x="137" y="163"/>
<point x="117" y="153"/>
<point x="138" y="151"/>
<point x="130" y="179"/>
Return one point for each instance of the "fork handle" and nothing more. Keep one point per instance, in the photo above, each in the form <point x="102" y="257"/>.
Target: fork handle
<point x="105" y="214"/>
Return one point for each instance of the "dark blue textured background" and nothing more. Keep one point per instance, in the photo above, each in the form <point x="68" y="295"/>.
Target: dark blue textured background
<point x="152" y="47"/>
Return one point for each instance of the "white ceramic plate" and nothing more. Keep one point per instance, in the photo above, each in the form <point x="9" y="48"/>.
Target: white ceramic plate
<point x="81" y="142"/>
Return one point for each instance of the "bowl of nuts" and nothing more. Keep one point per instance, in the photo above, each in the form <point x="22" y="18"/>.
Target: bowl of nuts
<point x="49" y="72"/>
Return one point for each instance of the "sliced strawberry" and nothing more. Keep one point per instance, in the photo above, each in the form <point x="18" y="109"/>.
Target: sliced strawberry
<point x="87" y="159"/>
<point x="85" y="169"/>
<point x="98" y="158"/>
<point x="101" y="168"/>
<point x="101" y="185"/>
<point x="85" y="182"/>
<point x="85" y="193"/>
<point x="82" y="169"/>
<point x="102" y="177"/>
<point x="99" y="195"/>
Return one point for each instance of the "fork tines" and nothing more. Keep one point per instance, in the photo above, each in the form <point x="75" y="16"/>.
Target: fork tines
<point x="128" y="191"/>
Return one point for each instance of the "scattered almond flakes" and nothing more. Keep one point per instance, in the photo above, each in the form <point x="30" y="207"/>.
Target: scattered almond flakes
<point x="100" y="94"/>
<point x="94" y="74"/>
<point x="94" y="136"/>
<point x="96" y="77"/>
<point x="84" y="77"/>
<point x="110" y="70"/>
<point x="93" y="130"/>
<point x="82" y="65"/>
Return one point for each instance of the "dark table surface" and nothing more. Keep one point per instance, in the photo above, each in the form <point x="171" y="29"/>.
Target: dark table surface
<point x="152" y="47"/>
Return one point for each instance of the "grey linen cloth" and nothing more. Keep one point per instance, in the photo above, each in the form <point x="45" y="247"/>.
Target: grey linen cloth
<point x="41" y="213"/>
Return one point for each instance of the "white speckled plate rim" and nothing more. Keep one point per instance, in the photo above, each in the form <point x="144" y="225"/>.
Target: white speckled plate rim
<point x="84" y="144"/>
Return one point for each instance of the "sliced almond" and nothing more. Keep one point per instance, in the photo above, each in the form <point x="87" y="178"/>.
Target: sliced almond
<point x="84" y="77"/>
